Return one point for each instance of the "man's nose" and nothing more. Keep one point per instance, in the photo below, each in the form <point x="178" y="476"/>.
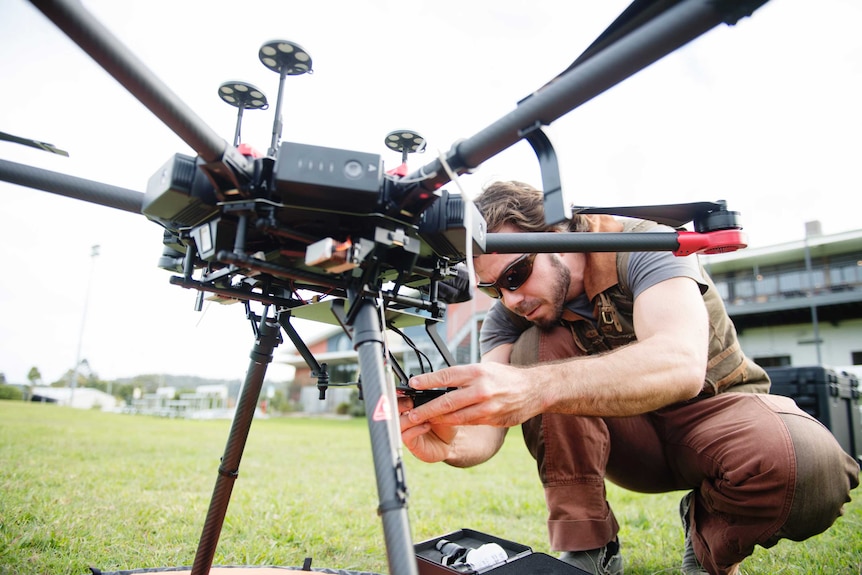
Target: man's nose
<point x="511" y="299"/>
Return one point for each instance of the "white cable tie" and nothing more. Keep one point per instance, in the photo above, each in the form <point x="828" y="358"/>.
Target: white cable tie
<point x="468" y="220"/>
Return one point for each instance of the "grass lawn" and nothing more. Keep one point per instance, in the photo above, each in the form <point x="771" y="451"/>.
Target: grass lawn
<point x="85" y="488"/>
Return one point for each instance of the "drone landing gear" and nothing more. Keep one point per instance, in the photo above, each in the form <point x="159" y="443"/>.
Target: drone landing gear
<point x="382" y="416"/>
<point x="268" y="338"/>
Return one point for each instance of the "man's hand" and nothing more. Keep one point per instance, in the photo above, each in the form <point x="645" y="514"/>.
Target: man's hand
<point x="458" y="445"/>
<point x="491" y="394"/>
<point x="461" y="446"/>
<point x="429" y="443"/>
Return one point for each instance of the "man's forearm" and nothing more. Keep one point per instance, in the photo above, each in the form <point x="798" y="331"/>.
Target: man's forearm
<point x="632" y="380"/>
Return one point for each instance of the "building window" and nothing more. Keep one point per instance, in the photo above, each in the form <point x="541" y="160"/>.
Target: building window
<point x="344" y="373"/>
<point x="744" y="289"/>
<point x="845" y="273"/>
<point x="767" y="286"/>
<point x="773" y="361"/>
<point x="723" y="289"/>
<point x="792" y="283"/>
<point x="856" y="357"/>
<point x="340" y="342"/>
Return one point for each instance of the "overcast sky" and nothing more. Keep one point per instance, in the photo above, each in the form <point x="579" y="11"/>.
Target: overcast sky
<point x="764" y="114"/>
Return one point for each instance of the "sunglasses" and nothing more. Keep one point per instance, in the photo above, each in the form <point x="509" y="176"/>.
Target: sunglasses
<point x="512" y="277"/>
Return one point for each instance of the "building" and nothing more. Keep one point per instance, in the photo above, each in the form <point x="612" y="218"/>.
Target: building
<point x="80" y="397"/>
<point x="798" y="303"/>
<point x="206" y="402"/>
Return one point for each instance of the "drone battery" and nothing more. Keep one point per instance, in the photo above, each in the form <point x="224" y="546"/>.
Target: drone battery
<point x="328" y="178"/>
<point x="178" y="193"/>
<point x="521" y="560"/>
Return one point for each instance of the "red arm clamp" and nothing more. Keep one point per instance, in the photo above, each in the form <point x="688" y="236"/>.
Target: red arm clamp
<point x="717" y="242"/>
<point x="400" y="171"/>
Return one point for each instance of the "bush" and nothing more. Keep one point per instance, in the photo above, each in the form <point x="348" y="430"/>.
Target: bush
<point x="354" y="408"/>
<point x="11" y="392"/>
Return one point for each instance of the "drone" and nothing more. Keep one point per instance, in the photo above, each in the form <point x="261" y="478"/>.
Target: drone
<point x="381" y="248"/>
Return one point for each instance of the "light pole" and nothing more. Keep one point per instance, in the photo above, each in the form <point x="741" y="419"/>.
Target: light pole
<point x="815" y="324"/>
<point x="94" y="252"/>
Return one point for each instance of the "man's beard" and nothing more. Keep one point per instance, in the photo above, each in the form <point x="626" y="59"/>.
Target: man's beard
<point x="559" y="289"/>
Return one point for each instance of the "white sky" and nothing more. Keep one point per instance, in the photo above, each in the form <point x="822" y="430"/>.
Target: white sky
<point x="764" y="114"/>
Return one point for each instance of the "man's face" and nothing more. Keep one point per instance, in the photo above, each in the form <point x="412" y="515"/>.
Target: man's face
<point x="542" y="296"/>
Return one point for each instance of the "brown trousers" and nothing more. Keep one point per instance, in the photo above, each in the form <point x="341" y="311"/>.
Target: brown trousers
<point x="761" y="468"/>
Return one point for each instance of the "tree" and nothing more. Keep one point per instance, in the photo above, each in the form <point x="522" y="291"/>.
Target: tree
<point x="33" y="376"/>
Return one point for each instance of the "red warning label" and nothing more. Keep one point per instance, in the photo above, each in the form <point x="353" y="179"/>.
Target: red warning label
<point x="383" y="411"/>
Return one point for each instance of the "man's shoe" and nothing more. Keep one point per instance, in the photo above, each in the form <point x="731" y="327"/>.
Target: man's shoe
<point x="690" y="564"/>
<point x="605" y="560"/>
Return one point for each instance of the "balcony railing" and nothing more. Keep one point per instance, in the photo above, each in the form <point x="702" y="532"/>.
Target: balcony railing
<point x="760" y="286"/>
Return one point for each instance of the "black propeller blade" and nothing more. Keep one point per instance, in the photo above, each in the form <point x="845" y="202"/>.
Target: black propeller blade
<point x="674" y="215"/>
<point x="33" y="144"/>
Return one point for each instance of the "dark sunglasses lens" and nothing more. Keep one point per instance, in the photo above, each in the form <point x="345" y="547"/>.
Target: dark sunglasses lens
<point x="491" y="291"/>
<point x="517" y="274"/>
<point x="512" y="278"/>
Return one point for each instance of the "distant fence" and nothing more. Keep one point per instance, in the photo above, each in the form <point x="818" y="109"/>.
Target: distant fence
<point x="211" y="405"/>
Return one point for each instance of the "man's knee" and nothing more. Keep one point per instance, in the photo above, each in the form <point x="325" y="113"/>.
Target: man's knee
<point x="825" y="476"/>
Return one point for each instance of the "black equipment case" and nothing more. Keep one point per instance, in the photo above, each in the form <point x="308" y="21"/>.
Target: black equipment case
<point x="520" y="558"/>
<point x="830" y="396"/>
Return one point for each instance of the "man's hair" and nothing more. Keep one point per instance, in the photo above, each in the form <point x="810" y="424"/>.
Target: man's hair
<point x="522" y="206"/>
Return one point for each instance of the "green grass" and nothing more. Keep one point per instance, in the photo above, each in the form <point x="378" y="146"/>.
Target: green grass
<point x="81" y="488"/>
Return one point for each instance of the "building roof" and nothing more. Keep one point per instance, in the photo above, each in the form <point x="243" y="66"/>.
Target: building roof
<point x="818" y="246"/>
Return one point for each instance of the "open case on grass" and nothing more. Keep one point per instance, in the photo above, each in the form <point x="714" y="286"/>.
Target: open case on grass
<point x="435" y="557"/>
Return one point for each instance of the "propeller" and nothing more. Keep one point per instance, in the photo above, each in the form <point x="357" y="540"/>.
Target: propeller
<point x="673" y="215"/>
<point x="33" y="144"/>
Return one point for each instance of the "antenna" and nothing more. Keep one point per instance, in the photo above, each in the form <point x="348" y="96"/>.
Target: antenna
<point x="244" y="96"/>
<point x="406" y="142"/>
<point x="287" y="59"/>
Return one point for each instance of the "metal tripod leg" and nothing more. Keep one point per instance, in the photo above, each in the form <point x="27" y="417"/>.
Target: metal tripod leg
<point x="382" y="414"/>
<point x="268" y="338"/>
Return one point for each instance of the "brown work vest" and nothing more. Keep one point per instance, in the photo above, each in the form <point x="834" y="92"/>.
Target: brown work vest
<point x="606" y="285"/>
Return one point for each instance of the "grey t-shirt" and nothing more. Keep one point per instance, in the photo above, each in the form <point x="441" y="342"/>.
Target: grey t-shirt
<point x="645" y="269"/>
